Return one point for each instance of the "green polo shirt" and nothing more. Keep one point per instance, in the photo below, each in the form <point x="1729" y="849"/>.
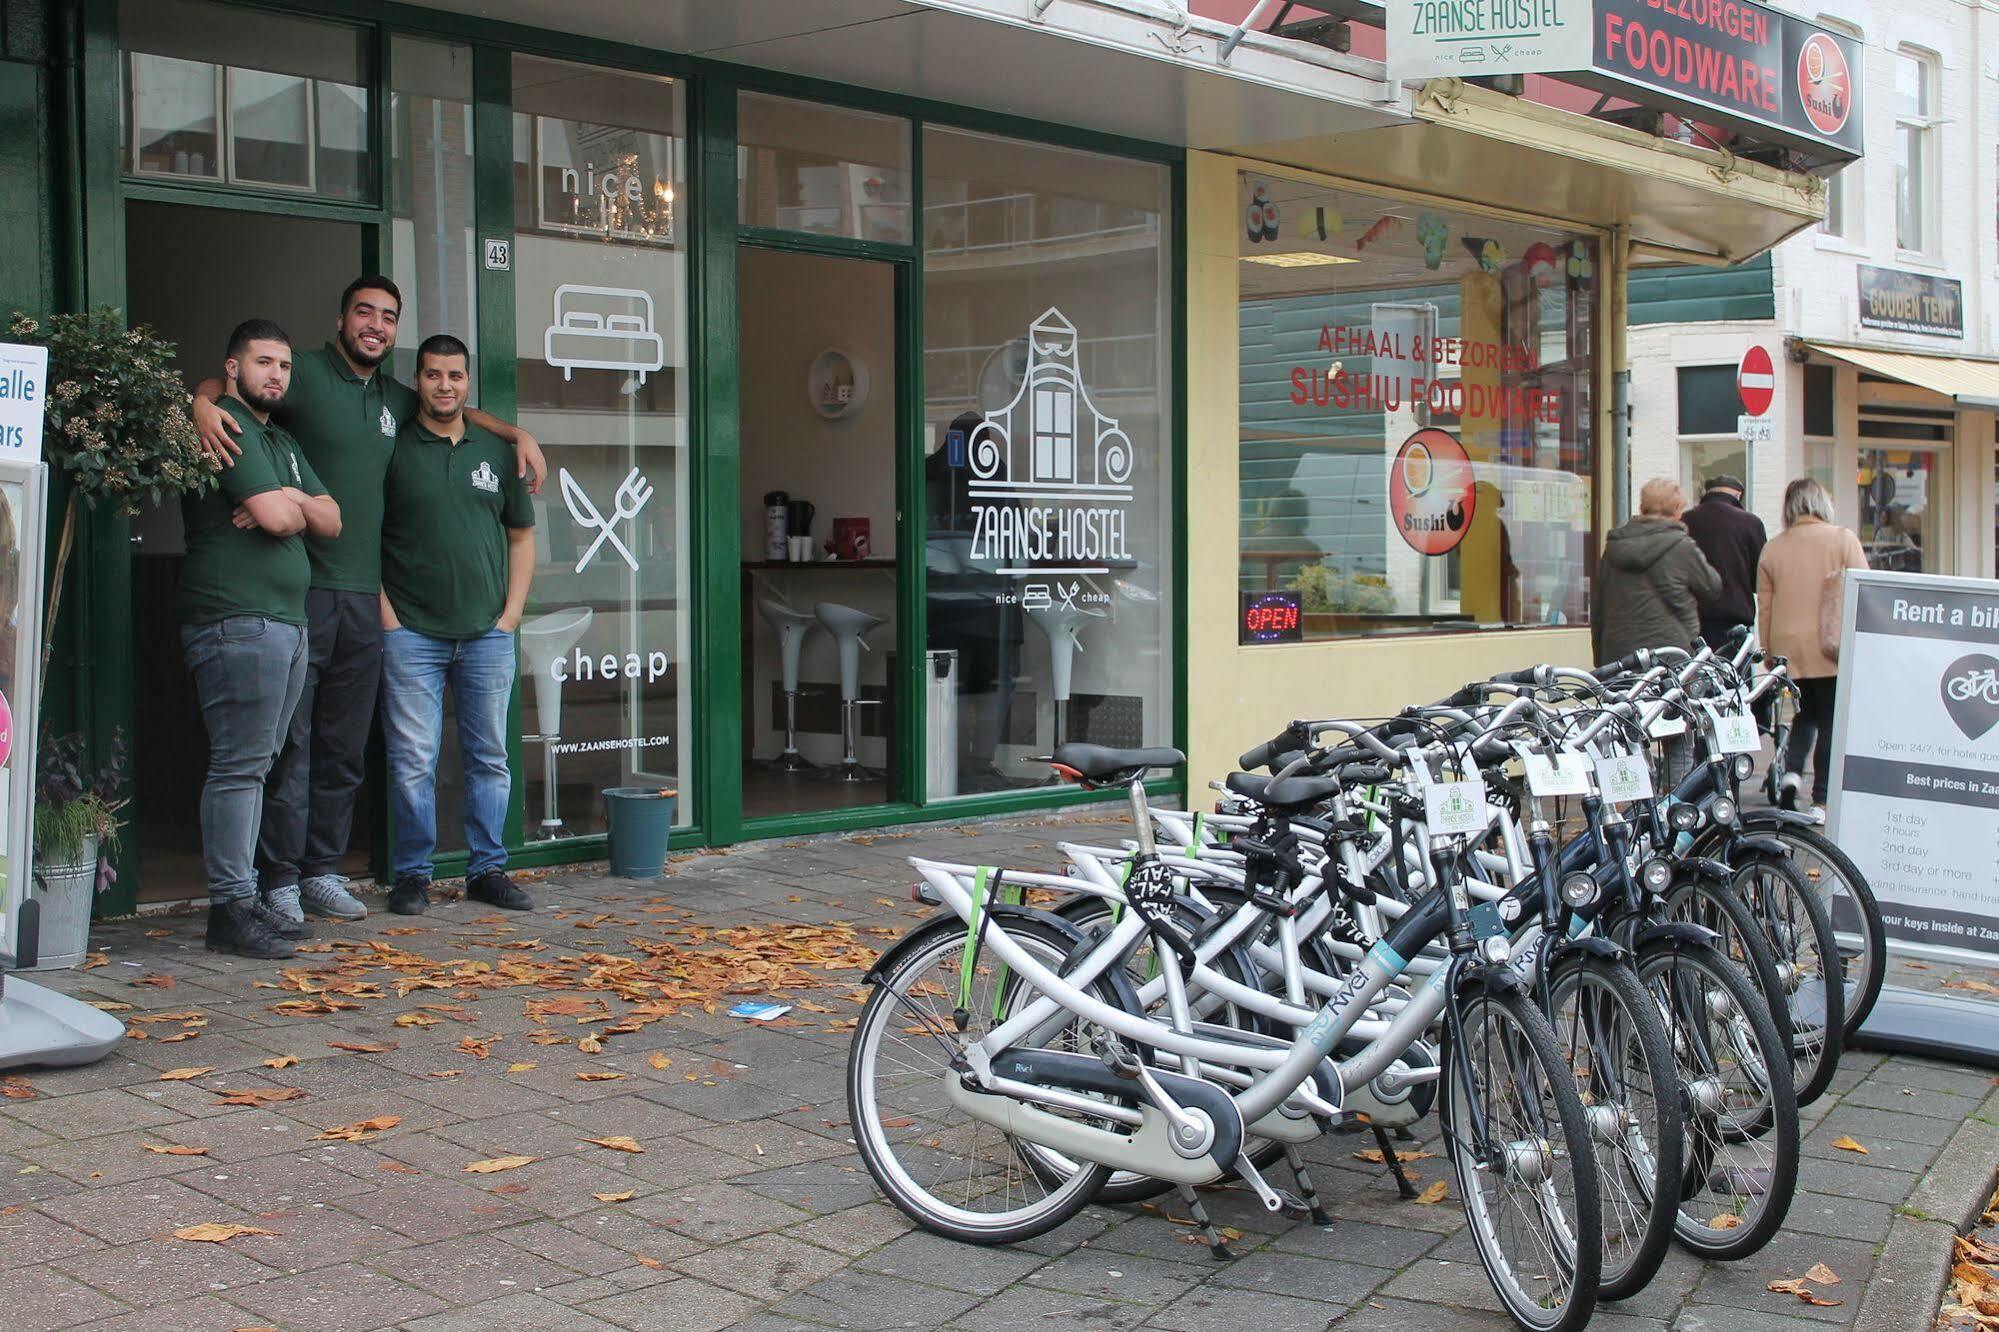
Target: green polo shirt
<point x="347" y="426"/>
<point x="229" y="571"/>
<point x="444" y="541"/>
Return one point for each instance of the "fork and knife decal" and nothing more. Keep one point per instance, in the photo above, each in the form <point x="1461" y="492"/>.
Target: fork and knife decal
<point x="631" y="497"/>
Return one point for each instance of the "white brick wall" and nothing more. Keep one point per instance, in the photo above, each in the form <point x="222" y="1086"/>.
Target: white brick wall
<point x="1817" y="288"/>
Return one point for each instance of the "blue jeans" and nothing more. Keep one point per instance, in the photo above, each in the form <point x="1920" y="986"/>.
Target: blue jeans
<point x="248" y="672"/>
<point x="480" y="672"/>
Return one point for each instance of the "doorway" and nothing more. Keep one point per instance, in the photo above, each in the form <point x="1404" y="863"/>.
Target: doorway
<point x="820" y="449"/>
<point x="194" y="273"/>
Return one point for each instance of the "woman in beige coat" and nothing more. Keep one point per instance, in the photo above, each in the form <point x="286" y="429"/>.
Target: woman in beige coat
<point x="1791" y="582"/>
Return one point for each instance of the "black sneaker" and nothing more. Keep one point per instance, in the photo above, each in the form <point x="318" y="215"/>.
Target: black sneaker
<point x="238" y="927"/>
<point x="278" y="923"/>
<point x="410" y="896"/>
<point x="494" y="888"/>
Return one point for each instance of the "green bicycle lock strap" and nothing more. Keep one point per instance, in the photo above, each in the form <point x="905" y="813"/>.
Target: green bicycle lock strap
<point x="1194" y="847"/>
<point x="1004" y="894"/>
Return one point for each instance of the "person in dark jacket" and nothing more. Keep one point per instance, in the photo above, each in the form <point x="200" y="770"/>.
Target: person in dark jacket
<point x="1732" y="538"/>
<point x="1652" y="580"/>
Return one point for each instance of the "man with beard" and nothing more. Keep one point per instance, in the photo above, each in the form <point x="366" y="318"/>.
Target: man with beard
<point x="457" y="557"/>
<point x="242" y="610"/>
<point x="345" y="415"/>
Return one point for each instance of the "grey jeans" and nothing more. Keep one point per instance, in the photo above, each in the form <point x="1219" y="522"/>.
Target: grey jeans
<point x="247" y="672"/>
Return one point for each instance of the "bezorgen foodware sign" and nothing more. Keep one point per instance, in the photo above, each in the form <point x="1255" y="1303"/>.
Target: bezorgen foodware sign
<point x="1726" y="61"/>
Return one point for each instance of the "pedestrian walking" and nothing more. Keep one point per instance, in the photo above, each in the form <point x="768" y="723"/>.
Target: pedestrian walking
<point x="1652" y="580"/>
<point x="1732" y="538"/>
<point x="1801" y="568"/>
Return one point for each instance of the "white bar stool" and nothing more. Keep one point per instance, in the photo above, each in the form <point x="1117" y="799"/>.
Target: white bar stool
<point x="791" y="627"/>
<point x="850" y="628"/>
<point x="1062" y="626"/>
<point x="545" y="640"/>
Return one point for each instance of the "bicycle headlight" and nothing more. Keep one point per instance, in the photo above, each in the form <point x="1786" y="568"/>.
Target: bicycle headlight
<point x="1496" y="948"/>
<point x="1745" y="766"/>
<point x="1579" y="890"/>
<point x="1722" y="811"/>
<point x="1656" y="874"/>
<point x="1684" y="817"/>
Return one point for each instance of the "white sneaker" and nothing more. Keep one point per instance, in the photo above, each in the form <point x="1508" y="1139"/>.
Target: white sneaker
<point x="327" y="895"/>
<point x="1818" y="814"/>
<point x="285" y="903"/>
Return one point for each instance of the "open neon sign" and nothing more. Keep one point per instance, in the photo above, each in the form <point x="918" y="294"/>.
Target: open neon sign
<point x="1271" y="617"/>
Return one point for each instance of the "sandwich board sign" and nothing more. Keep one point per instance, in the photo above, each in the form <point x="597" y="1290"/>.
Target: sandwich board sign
<point x="1915" y="789"/>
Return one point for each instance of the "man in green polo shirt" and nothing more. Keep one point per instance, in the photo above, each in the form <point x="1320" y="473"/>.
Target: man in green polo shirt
<point x="457" y="558"/>
<point x="241" y="604"/>
<point x="345" y="415"/>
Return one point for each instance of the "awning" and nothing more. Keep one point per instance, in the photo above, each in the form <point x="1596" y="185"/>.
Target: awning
<point x="1970" y="383"/>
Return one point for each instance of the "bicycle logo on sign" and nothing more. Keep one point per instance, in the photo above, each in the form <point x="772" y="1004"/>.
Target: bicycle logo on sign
<point x="1982" y="685"/>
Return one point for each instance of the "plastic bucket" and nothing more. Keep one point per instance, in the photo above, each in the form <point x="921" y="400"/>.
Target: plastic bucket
<point x="640" y="819"/>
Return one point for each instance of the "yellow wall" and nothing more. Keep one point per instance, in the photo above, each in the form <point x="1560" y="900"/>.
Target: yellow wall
<point x="1240" y="696"/>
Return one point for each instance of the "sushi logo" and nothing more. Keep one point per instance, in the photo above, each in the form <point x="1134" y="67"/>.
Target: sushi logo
<point x="1825" y="85"/>
<point x="1432" y="492"/>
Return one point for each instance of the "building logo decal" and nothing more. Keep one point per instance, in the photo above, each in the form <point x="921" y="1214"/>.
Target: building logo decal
<point x="1051" y="475"/>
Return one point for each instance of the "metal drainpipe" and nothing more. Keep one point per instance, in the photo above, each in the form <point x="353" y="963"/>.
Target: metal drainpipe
<point x="1617" y="317"/>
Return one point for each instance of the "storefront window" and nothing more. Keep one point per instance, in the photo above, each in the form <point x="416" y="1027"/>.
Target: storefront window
<point x="1709" y="443"/>
<point x="1901" y="511"/>
<point x="600" y="304"/>
<point x="1048" y="456"/>
<point x="249" y="98"/>
<point x="1418" y="419"/>
<point x="807" y="167"/>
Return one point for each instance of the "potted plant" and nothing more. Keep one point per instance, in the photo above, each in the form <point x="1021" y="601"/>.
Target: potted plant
<point x="77" y="806"/>
<point x="116" y="424"/>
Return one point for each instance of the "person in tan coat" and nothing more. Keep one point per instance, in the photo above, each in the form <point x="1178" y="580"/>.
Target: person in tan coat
<point x="1791" y="580"/>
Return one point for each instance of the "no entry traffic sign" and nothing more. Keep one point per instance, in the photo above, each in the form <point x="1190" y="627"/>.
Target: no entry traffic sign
<point x="1756" y="381"/>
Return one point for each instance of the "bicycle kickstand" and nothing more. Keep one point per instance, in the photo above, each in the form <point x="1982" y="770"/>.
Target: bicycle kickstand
<point x="1394" y="1162"/>
<point x="1306" y="1190"/>
<point x="1217" y="1245"/>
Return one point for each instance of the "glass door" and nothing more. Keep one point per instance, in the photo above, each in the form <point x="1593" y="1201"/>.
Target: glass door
<point x="1905" y="509"/>
<point x="823" y="673"/>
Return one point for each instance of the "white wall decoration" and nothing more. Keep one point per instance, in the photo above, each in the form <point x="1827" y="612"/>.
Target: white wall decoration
<point x="631" y="497"/>
<point x="603" y="328"/>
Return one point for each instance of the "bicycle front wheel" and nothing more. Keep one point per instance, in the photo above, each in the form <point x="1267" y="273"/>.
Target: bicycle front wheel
<point x="1519" y="1144"/>
<point x="1856" y="916"/>
<point x="1622" y="1059"/>
<point x="1795" y="925"/>
<point x="948" y="1171"/>
<point x="1741" y="1165"/>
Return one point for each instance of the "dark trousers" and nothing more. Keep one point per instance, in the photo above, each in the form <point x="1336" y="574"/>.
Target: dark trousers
<point x="1812" y="732"/>
<point x="309" y="799"/>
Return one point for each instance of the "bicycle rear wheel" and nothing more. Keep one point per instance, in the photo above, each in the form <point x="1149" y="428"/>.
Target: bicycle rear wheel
<point x="1741" y="1165"/>
<point x="948" y="1171"/>
<point x="1622" y="1059"/>
<point x="1519" y="1144"/>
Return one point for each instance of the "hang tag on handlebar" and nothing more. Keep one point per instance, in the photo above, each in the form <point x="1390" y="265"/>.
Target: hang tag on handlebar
<point x="1150" y="884"/>
<point x="1734" y="732"/>
<point x="1563" y="774"/>
<point x="1623" y="777"/>
<point x="1452" y="808"/>
<point x="1665" y="725"/>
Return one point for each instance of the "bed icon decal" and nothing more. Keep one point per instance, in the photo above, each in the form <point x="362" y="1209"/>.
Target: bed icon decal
<point x="603" y="328"/>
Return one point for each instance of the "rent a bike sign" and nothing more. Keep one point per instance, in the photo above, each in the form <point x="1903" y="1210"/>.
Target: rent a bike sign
<point x="1915" y="782"/>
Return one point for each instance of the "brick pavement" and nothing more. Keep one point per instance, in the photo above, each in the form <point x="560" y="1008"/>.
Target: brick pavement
<point x="748" y="1206"/>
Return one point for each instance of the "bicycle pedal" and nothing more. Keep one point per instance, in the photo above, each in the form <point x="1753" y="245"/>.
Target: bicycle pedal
<point x="1291" y="1201"/>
